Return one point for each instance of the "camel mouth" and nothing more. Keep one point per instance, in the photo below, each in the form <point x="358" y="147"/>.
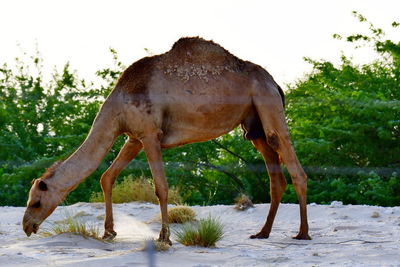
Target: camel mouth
<point x="31" y="228"/>
<point x="28" y="230"/>
<point x="30" y="225"/>
<point x="35" y="227"/>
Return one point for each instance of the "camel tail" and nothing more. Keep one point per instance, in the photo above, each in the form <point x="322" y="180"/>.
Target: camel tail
<point x="282" y="94"/>
<point x="283" y="103"/>
<point x="280" y="90"/>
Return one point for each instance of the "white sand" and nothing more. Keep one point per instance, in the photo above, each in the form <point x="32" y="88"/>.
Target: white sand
<point x="342" y="236"/>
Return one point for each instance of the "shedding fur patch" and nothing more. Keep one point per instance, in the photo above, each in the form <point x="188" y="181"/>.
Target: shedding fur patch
<point x="185" y="72"/>
<point x="198" y="58"/>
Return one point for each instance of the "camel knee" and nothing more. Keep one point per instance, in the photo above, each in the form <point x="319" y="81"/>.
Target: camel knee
<point x="104" y="182"/>
<point x="162" y="193"/>
<point x="300" y="184"/>
<point x="107" y="181"/>
<point x="278" y="187"/>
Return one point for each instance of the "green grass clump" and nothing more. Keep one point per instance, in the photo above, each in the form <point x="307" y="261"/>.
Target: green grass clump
<point x="181" y="214"/>
<point x="204" y="233"/>
<point x="72" y="224"/>
<point x="140" y="189"/>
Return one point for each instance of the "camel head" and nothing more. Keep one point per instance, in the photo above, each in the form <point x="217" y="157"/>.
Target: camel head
<point x="43" y="200"/>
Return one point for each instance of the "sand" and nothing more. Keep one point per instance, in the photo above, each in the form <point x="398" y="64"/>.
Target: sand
<point x="343" y="235"/>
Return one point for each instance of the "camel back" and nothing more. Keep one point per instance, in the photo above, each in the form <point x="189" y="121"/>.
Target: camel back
<point x="190" y="57"/>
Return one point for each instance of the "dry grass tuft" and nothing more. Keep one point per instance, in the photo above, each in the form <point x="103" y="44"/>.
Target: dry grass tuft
<point x="72" y="224"/>
<point x="181" y="214"/>
<point x="155" y="245"/>
<point x="140" y="189"/>
<point x="243" y="202"/>
<point x="204" y="233"/>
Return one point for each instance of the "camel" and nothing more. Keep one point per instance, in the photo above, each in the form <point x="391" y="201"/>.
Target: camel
<point x="195" y="92"/>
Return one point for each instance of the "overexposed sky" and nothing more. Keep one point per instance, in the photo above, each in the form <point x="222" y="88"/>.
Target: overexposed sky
<point x="274" y="34"/>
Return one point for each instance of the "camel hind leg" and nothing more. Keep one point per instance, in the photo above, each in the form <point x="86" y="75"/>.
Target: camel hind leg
<point x="127" y="153"/>
<point x="277" y="183"/>
<point x="269" y="107"/>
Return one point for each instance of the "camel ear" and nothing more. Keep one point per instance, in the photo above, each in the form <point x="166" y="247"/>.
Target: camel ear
<point x="33" y="181"/>
<point x="42" y="186"/>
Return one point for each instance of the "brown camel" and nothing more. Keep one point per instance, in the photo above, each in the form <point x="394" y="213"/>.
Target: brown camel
<point x="195" y="92"/>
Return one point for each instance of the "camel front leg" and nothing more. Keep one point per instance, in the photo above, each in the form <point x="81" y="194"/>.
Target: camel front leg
<point x="270" y="110"/>
<point x="127" y="153"/>
<point x="277" y="183"/>
<point x="152" y="148"/>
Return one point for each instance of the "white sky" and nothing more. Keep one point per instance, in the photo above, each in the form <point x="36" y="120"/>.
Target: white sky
<point x="274" y="34"/>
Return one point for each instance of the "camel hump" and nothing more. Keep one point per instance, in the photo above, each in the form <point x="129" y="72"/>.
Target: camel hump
<point x="198" y="51"/>
<point x="198" y="46"/>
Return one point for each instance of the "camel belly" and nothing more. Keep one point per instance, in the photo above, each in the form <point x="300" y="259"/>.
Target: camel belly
<point x="206" y="118"/>
<point x="198" y="110"/>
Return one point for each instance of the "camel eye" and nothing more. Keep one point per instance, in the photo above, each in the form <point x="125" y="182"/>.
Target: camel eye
<point x="42" y="186"/>
<point x="36" y="205"/>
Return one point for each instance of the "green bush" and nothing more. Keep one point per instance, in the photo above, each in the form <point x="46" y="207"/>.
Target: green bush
<point x="344" y="122"/>
<point x="361" y="188"/>
<point x="204" y="233"/>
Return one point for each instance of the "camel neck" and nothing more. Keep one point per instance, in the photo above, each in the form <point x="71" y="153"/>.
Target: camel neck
<point x="89" y="155"/>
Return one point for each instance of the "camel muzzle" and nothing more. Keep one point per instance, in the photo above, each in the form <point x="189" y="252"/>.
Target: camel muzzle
<point x="29" y="225"/>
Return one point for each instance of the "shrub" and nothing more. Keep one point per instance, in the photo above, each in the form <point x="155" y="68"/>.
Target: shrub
<point x="204" y="233"/>
<point x="181" y="214"/>
<point x="140" y="189"/>
<point x="243" y="202"/>
<point x="72" y="224"/>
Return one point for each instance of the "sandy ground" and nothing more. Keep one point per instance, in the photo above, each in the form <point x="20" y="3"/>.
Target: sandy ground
<point x="342" y="236"/>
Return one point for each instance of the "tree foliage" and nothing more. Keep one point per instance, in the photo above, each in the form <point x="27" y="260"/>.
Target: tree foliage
<point x="344" y="121"/>
<point x="41" y="122"/>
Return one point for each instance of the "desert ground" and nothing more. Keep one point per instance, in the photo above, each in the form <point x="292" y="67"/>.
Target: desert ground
<point x="343" y="235"/>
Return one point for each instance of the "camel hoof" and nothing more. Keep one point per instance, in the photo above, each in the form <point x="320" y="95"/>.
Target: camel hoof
<point x="260" y="235"/>
<point x="302" y="236"/>
<point x="164" y="234"/>
<point x="109" y="235"/>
